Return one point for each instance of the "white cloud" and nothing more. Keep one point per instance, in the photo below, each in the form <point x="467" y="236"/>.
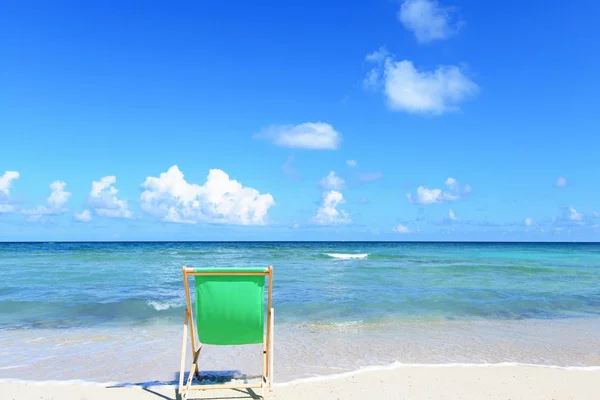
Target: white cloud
<point x="409" y="89"/>
<point x="370" y="176"/>
<point x="55" y="203"/>
<point x="451" y="215"/>
<point x="6" y="208"/>
<point x="373" y="79"/>
<point x="436" y="196"/>
<point x="219" y="200"/>
<point x="529" y="221"/>
<point x="84" y="216"/>
<point x="332" y="182"/>
<point x="103" y="199"/>
<point x="596" y="213"/>
<point x="309" y="135"/>
<point x="428" y="20"/>
<point x="6" y="181"/>
<point x="328" y="213"/>
<point x="401" y="229"/>
<point x="5" y="184"/>
<point x="574" y="215"/>
<point x="561" y="181"/>
<point x="351" y="163"/>
<point x="378" y="56"/>
<point x="451" y="183"/>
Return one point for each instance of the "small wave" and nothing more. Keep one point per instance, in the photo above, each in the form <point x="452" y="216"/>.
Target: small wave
<point x="343" y="256"/>
<point x="158" y="306"/>
<point x="398" y="365"/>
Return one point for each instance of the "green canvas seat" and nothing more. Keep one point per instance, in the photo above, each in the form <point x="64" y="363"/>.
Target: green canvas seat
<point x="229" y="309"/>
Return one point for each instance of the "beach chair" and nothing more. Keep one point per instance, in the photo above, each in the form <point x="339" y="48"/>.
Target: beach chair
<point x="229" y="309"/>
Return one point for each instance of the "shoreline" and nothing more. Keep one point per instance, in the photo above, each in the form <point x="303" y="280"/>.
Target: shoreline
<point x="317" y="378"/>
<point x="441" y="381"/>
<point x="302" y="351"/>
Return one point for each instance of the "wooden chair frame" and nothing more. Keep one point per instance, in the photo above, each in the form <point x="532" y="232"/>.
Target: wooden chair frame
<point x="266" y="383"/>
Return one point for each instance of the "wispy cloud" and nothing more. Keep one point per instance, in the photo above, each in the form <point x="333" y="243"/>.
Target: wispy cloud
<point x="529" y="221"/>
<point x="288" y="168"/>
<point x="309" y="135"/>
<point x="574" y="215"/>
<point x="401" y="229"/>
<point x="452" y="215"/>
<point x="332" y="182"/>
<point x="428" y="20"/>
<point x="436" y="196"/>
<point x="561" y="181"/>
<point x="407" y="88"/>
<point x="351" y="163"/>
<point x="369" y="176"/>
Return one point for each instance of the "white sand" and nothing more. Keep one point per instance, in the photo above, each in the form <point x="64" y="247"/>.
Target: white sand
<point x="406" y="382"/>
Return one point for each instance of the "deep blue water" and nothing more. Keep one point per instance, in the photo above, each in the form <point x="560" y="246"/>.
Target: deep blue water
<point x="63" y="285"/>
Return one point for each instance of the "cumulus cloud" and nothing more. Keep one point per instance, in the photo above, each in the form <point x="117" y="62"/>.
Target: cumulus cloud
<point x="596" y="213"/>
<point x="351" y="163"/>
<point x="369" y="176"/>
<point x="309" y="135"/>
<point x="419" y="91"/>
<point x="428" y="20"/>
<point x="219" y="200"/>
<point x="5" y="183"/>
<point x="436" y="196"/>
<point x="332" y="182"/>
<point x="529" y="221"/>
<point x="54" y="203"/>
<point x="401" y="229"/>
<point x="84" y="216"/>
<point x="328" y="213"/>
<point x="103" y="199"/>
<point x="561" y="181"/>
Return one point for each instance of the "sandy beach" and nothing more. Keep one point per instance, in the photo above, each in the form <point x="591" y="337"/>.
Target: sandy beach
<point x="467" y="382"/>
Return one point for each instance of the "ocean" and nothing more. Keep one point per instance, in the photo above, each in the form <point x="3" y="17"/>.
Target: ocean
<point x="113" y="312"/>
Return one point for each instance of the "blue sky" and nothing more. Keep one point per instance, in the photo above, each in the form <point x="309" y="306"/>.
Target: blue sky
<point x="369" y="120"/>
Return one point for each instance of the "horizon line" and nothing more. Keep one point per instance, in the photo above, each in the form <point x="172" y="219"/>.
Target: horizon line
<point x="295" y="241"/>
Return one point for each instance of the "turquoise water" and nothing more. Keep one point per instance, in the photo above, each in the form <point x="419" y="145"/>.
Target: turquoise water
<point x="107" y="308"/>
<point x="63" y="285"/>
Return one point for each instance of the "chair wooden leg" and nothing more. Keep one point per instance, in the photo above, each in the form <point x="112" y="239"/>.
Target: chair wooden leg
<point x="196" y="355"/>
<point x="189" y="381"/>
<point x="272" y="349"/>
<point x="183" y="350"/>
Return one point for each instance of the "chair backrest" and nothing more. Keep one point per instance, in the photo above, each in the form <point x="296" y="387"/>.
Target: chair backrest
<point x="230" y="305"/>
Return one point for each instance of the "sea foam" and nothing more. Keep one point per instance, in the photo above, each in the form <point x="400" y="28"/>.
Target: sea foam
<point x="344" y="256"/>
<point x="161" y="306"/>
